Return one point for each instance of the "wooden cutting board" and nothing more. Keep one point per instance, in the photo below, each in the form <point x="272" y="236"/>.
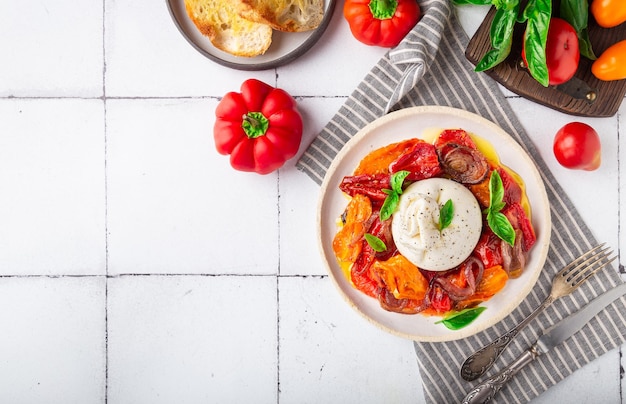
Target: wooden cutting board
<point x="608" y="94"/>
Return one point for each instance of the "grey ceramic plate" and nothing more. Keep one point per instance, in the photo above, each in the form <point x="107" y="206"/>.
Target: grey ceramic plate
<point x="286" y="46"/>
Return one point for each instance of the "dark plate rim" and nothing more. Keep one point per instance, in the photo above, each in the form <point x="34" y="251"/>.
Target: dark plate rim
<point x="279" y="61"/>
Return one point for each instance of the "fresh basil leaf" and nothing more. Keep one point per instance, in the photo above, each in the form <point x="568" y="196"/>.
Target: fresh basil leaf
<point x="377" y="244"/>
<point x="460" y="319"/>
<point x="446" y="213"/>
<point x="491" y="59"/>
<point x="502" y="27"/>
<point x="389" y="205"/>
<point x="397" y="180"/>
<point x="505" y="4"/>
<point x="496" y="220"/>
<point x="584" y="45"/>
<point x="496" y="191"/>
<point x="537" y="16"/>
<point x="501" y="34"/>
<point x="576" y="12"/>
<point x="501" y="227"/>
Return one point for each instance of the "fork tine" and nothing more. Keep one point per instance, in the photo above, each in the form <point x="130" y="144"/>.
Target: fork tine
<point x="588" y="260"/>
<point x="590" y="267"/>
<point x="580" y="259"/>
<point x="584" y="266"/>
<point x="592" y="271"/>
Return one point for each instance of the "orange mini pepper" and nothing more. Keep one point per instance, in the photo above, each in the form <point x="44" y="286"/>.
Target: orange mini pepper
<point x="608" y="13"/>
<point x="611" y="65"/>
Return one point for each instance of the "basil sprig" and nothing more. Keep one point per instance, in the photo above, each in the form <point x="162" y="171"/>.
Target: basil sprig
<point x="459" y="319"/>
<point x="496" y="220"/>
<point x="576" y="12"/>
<point x="390" y="204"/>
<point x="501" y="35"/>
<point x="446" y="213"/>
<point x="537" y="17"/>
<point x="501" y="31"/>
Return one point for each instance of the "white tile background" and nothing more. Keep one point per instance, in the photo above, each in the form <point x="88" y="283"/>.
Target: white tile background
<point x="137" y="267"/>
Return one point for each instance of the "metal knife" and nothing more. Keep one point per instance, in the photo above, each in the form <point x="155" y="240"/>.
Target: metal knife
<point x="552" y="337"/>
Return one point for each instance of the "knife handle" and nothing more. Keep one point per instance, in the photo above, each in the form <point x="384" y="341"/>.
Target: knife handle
<point x="480" y="361"/>
<point x="485" y="391"/>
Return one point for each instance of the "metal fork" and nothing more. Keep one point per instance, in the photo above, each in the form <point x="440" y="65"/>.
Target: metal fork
<point x="564" y="283"/>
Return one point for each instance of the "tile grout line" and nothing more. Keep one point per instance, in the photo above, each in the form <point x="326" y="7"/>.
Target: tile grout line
<point x="621" y="269"/>
<point x="620" y="266"/>
<point x="166" y="275"/>
<point x="106" y="211"/>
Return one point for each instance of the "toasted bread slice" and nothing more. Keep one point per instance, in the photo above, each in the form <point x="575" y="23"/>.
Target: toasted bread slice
<point x="284" y="15"/>
<point x="227" y="30"/>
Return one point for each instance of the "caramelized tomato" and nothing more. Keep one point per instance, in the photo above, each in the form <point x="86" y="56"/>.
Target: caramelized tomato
<point x="378" y="161"/>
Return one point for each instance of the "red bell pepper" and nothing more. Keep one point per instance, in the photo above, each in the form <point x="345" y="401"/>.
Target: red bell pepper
<point x="381" y="22"/>
<point x="260" y="127"/>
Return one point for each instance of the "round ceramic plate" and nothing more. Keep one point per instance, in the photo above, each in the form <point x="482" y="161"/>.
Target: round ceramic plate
<point x="285" y="47"/>
<point x="405" y="124"/>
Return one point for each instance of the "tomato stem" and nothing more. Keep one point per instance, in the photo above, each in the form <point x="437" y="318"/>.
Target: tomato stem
<point x="383" y="9"/>
<point x="254" y="124"/>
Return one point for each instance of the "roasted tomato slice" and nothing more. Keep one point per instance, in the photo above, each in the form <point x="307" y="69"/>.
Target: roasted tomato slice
<point x="439" y="300"/>
<point x="493" y="280"/>
<point x="382" y="230"/>
<point x="347" y="243"/>
<point x="512" y="190"/>
<point x="481" y="192"/>
<point x="369" y="185"/>
<point x="461" y="282"/>
<point x="360" y="272"/>
<point x="421" y="161"/>
<point x="404" y="306"/>
<point x="488" y="248"/>
<point x="520" y="221"/>
<point x="399" y="276"/>
<point x="458" y="136"/>
<point x="378" y="161"/>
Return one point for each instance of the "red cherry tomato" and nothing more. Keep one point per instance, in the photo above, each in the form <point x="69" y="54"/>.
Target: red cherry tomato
<point x="577" y="146"/>
<point x="562" y="53"/>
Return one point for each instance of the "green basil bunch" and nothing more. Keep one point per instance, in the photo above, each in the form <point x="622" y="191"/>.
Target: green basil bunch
<point x="536" y="15"/>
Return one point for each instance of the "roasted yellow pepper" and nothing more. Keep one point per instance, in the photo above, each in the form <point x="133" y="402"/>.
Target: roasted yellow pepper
<point x="608" y="13"/>
<point x="611" y="65"/>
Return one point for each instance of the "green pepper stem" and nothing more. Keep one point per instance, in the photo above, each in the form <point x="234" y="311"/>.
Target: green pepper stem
<point x="254" y="124"/>
<point x="383" y="9"/>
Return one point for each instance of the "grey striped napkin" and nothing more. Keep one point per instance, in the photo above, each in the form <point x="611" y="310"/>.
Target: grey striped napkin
<point x="429" y="68"/>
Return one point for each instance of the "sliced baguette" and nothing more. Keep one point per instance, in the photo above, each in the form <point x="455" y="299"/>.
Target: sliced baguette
<point x="227" y="30"/>
<point x="284" y="15"/>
